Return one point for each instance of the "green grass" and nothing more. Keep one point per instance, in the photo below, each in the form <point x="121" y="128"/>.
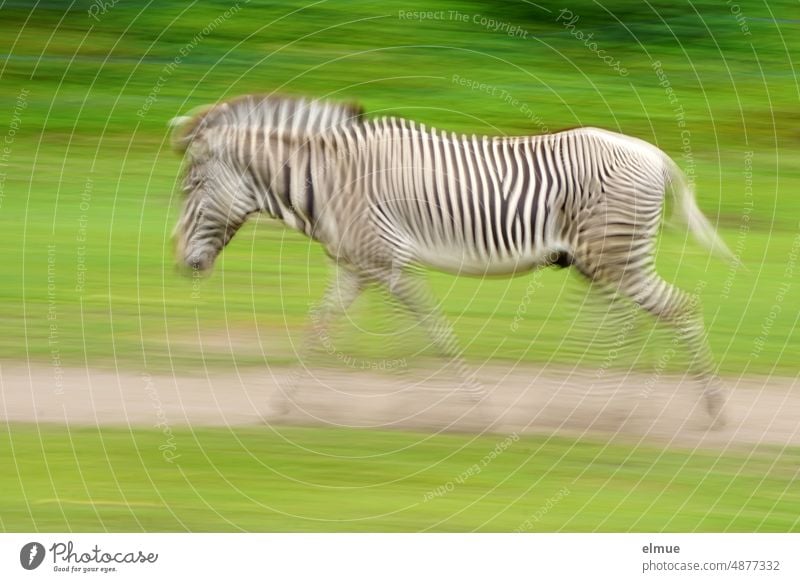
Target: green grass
<point x="81" y="140"/>
<point x="85" y="173"/>
<point x="294" y="479"/>
<point x="130" y="304"/>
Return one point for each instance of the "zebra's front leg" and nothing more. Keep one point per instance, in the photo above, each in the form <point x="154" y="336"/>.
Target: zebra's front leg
<point x="343" y="289"/>
<point x="413" y="295"/>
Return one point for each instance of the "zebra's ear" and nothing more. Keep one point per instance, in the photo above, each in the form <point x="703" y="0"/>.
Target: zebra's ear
<point x="179" y="138"/>
<point x="185" y="128"/>
<point x="358" y="113"/>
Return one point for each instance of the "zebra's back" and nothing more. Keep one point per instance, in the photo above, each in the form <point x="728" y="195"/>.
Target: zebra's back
<point x="483" y="205"/>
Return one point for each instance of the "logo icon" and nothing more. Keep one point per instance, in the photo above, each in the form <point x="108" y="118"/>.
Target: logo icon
<point x="31" y="555"/>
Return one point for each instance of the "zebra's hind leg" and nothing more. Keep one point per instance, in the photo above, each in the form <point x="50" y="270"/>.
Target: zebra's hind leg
<point x="607" y="325"/>
<point x="413" y="295"/>
<point x="343" y="289"/>
<point x="681" y="311"/>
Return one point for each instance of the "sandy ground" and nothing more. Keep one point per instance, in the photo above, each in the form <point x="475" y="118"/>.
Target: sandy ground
<point x="633" y="408"/>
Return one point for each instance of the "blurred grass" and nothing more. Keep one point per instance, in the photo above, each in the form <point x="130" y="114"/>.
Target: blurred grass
<point x="81" y="140"/>
<point x="293" y="479"/>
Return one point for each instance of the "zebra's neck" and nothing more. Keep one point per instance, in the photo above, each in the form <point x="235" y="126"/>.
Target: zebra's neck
<point x="280" y="168"/>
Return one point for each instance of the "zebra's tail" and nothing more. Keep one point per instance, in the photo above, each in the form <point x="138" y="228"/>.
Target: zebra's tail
<point x="690" y="213"/>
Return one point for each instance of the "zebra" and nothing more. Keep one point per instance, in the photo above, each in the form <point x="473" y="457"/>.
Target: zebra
<point x="387" y="196"/>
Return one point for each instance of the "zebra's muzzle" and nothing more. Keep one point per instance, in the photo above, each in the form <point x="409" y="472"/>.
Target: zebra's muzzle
<point x="194" y="265"/>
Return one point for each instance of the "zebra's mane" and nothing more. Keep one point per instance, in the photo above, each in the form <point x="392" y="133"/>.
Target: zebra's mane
<point x="296" y="116"/>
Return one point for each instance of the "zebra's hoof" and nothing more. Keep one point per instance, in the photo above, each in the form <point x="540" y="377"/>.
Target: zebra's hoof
<point x="474" y="395"/>
<point x="276" y="408"/>
<point x="715" y="405"/>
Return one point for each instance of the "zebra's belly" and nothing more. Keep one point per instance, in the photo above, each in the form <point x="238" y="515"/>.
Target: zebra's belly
<point x="457" y="262"/>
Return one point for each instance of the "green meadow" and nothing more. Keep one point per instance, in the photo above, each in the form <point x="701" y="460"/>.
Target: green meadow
<point x="89" y="196"/>
<point x="308" y="479"/>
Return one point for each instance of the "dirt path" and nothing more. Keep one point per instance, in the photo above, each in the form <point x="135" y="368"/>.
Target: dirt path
<point x="522" y="400"/>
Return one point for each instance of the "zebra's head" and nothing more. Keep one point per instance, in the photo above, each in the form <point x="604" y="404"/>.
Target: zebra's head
<point x="217" y="201"/>
<point x="232" y="165"/>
